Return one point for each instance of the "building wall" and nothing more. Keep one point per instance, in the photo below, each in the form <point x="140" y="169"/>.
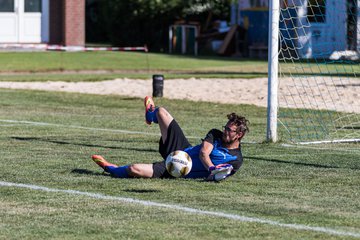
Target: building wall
<point x="74" y="22"/>
<point x="314" y="39"/>
<point x="67" y="22"/>
<point x="358" y="26"/>
<point x="321" y="39"/>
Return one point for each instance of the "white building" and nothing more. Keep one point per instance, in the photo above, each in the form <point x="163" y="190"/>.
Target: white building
<point x="24" y="21"/>
<point x="42" y="21"/>
<point x="321" y="26"/>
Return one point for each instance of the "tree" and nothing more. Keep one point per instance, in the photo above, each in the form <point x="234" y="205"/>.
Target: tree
<point x="140" y="22"/>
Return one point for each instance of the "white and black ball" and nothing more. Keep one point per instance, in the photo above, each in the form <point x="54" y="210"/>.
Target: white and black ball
<point x="178" y="164"/>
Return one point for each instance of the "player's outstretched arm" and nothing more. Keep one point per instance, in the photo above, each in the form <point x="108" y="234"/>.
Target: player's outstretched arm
<point x="204" y="154"/>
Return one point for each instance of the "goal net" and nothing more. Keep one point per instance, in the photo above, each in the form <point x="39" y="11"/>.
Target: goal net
<point x="319" y="71"/>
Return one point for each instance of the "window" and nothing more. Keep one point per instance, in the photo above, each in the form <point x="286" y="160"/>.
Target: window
<point x="316" y="11"/>
<point x="32" y="5"/>
<point x="6" y="5"/>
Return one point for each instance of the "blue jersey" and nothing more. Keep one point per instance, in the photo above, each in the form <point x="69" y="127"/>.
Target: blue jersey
<point x="218" y="155"/>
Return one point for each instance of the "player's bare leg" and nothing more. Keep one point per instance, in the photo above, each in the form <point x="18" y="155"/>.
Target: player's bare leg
<point x="140" y="170"/>
<point x="164" y="119"/>
<point x="157" y="115"/>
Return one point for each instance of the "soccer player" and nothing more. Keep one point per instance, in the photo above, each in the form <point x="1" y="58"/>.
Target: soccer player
<point x="217" y="157"/>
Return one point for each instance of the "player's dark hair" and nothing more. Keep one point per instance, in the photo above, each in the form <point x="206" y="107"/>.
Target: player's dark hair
<point x="239" y="121"/>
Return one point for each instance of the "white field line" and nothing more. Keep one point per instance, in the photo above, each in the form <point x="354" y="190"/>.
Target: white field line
<point x="9" y="125"/>
<point x="317" y="147"/>
<point x="77" y="127"/>
<point x="353" y="140"/>
<point x="240" y="218"/>
<point x="92" y="129"/>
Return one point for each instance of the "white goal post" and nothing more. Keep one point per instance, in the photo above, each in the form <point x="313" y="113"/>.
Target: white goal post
<point x="273" y="58"/>
<point x="313" y="71"/>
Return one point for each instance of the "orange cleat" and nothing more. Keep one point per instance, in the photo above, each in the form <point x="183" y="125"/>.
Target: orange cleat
<point x="99" y="160"/>
<point x="149" y="107"/>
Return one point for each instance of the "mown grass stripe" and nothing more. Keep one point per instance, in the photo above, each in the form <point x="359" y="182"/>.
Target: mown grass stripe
<point x="183" y="209"/>
<point x="94" y="129"/>
<point x="81" y="127"/>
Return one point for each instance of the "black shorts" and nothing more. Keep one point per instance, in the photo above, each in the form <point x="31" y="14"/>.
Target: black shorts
<point x="176" y="140"/>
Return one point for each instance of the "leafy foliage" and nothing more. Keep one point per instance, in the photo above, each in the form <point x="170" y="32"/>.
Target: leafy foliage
<point x="140" y="22"/>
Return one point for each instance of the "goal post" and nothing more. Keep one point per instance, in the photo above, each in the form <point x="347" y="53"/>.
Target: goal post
<point x="313" y="71"/>
<point x="273" y="58"/>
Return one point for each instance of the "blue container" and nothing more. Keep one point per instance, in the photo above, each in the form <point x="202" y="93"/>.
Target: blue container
<point x="256" y="21"/>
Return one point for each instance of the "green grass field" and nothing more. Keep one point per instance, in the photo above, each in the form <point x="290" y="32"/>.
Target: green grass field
<point x="97" y="66"/>
<point x="47" y="140"/>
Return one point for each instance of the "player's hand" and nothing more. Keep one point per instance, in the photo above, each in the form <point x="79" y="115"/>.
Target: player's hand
<point x="219" y="172"/>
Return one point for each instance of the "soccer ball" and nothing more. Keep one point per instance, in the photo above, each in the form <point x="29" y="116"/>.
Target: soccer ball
<point x="178" y="163"/>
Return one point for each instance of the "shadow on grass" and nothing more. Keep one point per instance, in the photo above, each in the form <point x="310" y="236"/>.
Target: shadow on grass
<point x="81" y="144"/>
<point x="142" y="190"/>
<point x="88" y="172"/>
<point x="294" y="163"/>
